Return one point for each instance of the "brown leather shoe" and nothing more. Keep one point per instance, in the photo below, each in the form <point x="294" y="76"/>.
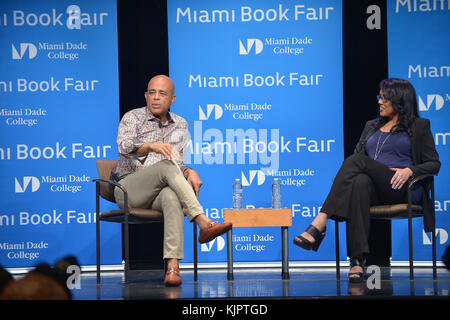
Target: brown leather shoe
<point x="214" y="230"/>
<point x="173" y="278"/>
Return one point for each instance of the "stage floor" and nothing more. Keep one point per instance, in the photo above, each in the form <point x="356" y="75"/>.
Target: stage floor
<point x="304" y="283"/>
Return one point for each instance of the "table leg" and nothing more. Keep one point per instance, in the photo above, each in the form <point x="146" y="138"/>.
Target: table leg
<point x="230" y="254"/>
<point x="285" y="253"/>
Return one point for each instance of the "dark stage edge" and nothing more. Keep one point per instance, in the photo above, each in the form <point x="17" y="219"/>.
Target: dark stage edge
<point x="264" y="284"/>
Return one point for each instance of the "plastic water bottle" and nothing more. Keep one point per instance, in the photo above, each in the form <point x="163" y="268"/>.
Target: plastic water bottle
<point x="276" y="194"/>
<point x="237" y="195"/>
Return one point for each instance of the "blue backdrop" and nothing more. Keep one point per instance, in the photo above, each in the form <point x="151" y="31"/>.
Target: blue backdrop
<point x="419" y="51"/>
<point x="260" y="84"/>
<point x="58" y="114"/>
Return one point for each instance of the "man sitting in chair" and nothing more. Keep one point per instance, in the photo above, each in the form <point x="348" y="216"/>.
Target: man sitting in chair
<point x="152" y="142"/>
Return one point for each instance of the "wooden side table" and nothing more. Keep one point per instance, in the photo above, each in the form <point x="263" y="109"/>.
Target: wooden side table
<point x="259" y="217"/>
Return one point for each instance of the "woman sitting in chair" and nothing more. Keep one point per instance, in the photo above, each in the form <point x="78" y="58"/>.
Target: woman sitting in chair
<point x="393" y="149"/>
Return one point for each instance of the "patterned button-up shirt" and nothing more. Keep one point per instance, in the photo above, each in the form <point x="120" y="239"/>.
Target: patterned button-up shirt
<point x="140" y="126"/>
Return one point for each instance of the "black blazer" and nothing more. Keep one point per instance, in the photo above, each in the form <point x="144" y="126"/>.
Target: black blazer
<point x="424" y="154"/>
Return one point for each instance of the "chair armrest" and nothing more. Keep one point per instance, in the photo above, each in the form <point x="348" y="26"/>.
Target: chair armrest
<point x="418" y="179"/>
<point x="413" y="182"/>
<point x="116" y="184"/>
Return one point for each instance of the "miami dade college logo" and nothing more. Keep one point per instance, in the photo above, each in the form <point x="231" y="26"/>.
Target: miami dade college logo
<point x="218" y="112"/>
<point x="23" y="49"/>
<point x="435" y="100"/>
<point x="441" y="235"/>
<point x="252" y="174"/>
<point x="31" y="182"/>
<point x="255" y="44"/>
<point x="206" y="247"/>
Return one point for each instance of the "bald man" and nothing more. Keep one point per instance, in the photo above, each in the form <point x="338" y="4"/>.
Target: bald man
<point x="152" y="142"/>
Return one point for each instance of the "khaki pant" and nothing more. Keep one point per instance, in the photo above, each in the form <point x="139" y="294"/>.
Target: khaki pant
<point x="163" y="187"/>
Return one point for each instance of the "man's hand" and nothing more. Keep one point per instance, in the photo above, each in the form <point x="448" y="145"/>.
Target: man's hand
<point x="165" y="149"/>
<point x="194" y="180"/>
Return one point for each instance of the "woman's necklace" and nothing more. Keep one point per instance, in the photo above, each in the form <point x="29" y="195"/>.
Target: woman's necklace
<point x="378" y="148"/>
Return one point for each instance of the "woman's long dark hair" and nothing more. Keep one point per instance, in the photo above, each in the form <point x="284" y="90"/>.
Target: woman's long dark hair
<point x="403" y="97"/>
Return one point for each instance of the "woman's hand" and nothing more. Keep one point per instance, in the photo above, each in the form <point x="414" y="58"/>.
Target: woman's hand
<point x="400" y="177"/>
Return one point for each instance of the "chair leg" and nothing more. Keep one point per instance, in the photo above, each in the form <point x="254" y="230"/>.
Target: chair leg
<point x="127" y="250"/>
<point x="433" y="231"/>
<point x="195" y="252"/>
<point x="338" y="265"/>
<point x="97" y="229"/>
<point x="433" y="234"/>
<point x="98" y="250"/>
<point x="410" y="240"/>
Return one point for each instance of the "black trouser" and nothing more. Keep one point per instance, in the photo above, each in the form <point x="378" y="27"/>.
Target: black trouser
<point x="360" y="183"/>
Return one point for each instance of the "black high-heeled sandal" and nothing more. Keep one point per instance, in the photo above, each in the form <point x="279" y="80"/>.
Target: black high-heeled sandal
<point x="356" y="277"/>
<point x="308" y="245"/>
